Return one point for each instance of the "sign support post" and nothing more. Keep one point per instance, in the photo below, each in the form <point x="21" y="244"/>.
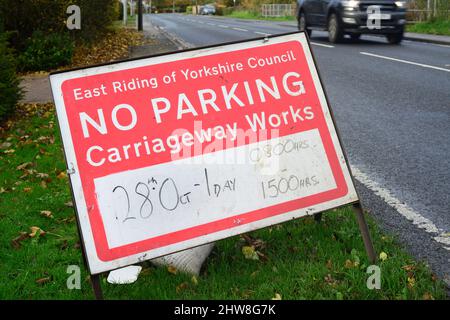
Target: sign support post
<point x="364" y="229"/>
<point x="96" y="286"/>
<point x="140" y="17"/>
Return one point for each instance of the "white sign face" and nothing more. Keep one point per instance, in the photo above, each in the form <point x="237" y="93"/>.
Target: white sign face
<point x="175" y="151"/>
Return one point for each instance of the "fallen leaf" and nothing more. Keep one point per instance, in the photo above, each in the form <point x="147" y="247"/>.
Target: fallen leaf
<point x="16" y="241"/>
<point x="411" y="282"/>
<point x="36" y="231"/>
<point x="2" y="190"/>
<point x="383" y="256"/>
<point x="27" y="189"/>
<point x="427" y="296"/>
<point x="246" y="294"/>
<point x="62" y="175"/>
<point x="24" y="165"/>
<point x="329" y="264"/>
<point x="194" y="280"/>
<point x="250" y="253"/>
<point x="172" y="270"/>
<point x="9" y="151"/>
<point x="349" y="264"/>
<point x="69" y="204"/>
<point x="409" y="267"/>
<point x="5" y="145"/>
<point x="43" y="280"/>
<point x="46" y="213"/>
<point x="329" y="279"/>
<point x="41" y="175"/>
<point x="256" y="243"/>
<point x="277" y="296"/>
<point x="182" y="287"/>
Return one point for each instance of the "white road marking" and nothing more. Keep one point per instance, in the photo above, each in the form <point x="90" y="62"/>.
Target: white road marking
<point x="223" y="26"/>
<point x="402" y="208"/>
<point x="239" y="29"/>
<point x="443" y="45"/>
<point x="262" y="33"/>
<point x="322" y="45"/>
<point x="405" y="61"/>
<point x="211" y="24"/>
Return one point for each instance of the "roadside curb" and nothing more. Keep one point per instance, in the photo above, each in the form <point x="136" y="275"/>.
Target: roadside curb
<point x="179" y="43"/>
<point x="427" y="39"/>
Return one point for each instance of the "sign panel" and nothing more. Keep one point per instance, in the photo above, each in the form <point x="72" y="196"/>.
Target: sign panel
<point x="174" y="151"/>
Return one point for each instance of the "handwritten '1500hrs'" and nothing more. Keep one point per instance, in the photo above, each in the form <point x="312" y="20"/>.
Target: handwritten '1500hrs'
<point x="171" y="201"/>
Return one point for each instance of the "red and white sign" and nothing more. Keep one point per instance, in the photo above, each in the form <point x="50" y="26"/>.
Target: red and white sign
<point x="171" y="152"/>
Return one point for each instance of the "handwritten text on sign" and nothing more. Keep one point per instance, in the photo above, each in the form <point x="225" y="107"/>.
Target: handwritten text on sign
<point x="175" y="151"/>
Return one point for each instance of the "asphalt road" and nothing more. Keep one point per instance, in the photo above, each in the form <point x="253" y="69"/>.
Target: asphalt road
<point x="392" y="108"/>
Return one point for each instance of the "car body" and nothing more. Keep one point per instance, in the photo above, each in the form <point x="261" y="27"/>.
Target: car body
<point x="207" y="10"/>
<point x="353" y="17"/>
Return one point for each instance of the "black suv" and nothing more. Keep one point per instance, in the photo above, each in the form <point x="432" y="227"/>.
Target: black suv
<point x="353" y="17"/>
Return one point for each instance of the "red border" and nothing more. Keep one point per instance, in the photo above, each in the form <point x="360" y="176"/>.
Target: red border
<point x="108" y="254"/>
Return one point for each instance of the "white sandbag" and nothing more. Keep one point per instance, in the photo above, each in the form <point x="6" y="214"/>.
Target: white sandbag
<point x="189" y="261"/>
<point x="125" y="275"/>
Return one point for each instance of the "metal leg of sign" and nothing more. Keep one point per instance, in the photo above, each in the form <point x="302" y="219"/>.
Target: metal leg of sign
<point x="95" y="278"/>
<point x="318" y="217"/>
<point x="365" y="232"/>
<point x="95" y="281"/>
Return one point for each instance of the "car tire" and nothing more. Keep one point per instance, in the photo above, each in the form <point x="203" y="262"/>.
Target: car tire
<point x="395" y="38"/>
<point x="335" y="33"/>
<point x="302" y="24"/>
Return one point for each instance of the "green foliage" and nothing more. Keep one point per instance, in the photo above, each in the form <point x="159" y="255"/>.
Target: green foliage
<point x="45" y="52"/>
<point x="435" y="26"/>
<point x="10" y="92"/>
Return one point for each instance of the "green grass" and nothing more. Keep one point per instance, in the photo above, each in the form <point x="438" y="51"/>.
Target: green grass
<point x="439" y="27"/>
<point x="304" y="260"/>
<point x="131" y="22"/>
<point x="252" y="15"/>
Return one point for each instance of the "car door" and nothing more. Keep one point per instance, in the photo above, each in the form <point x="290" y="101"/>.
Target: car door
<point x="322" y="9"/>
<point x="310" y="9"/>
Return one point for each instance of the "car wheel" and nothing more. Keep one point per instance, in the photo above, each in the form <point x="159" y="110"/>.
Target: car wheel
<point x="302" y="24"/>
<point x="335" y="33"/>
<point x="395" y="38"/>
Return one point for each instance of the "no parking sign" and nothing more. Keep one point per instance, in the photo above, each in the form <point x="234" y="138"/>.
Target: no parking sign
<point x="174" y="151"/>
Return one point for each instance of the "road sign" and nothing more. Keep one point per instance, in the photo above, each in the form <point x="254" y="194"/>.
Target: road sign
<point x="174" y="151"/>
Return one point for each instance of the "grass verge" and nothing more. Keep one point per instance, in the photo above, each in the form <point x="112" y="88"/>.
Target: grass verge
<point x="241" y="14"/>
<point x="438" y="27"/>
<point x="296" y="260"/>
